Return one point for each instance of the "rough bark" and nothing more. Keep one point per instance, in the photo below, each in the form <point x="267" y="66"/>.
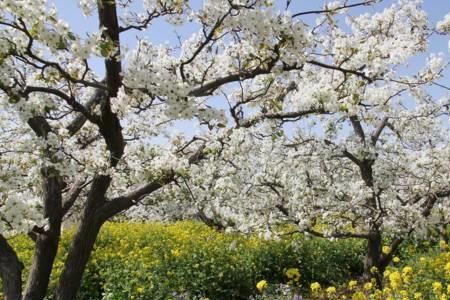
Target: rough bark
<point x="46" y="240"/>
<point x="10" y="271"/>
<point x="84" y="239"/>
<point x="79" y="253"/>
<point x="44" y="256"/>
<point x="110" y="127"/>
<point x="374" y="258"/>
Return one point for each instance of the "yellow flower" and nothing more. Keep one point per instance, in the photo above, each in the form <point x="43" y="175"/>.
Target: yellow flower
<point x="407" y="273"/>
<point x="315" y="287"/>
<point x="437" y="287"/>
<point x="261" y="285"/>
<point x="352" y="284"/>
<point x="387" y="291"/>
<point x="377" y="295"/>
<point x="395" y="280"/>
<point x="418" y="296"/>
<point x="386" y="250"/>
<point x="176" y="252"/>
<point x="442" y="244"/>
<point x="374" y="270"/>
<point x="359" y="296"/>
<point x="447" y="267"/>
<point x="368" y="286"/>
<point x="448" y="288"/>
<point x="293" y="274"/>
<point x="331" y="290"/>
<point x="140" y="290"/>
<point x="396" y="259"/>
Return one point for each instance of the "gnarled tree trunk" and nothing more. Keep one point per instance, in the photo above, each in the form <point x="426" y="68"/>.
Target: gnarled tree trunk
<point x="84" y="239"/>
<point x="10" y="271"/>
<point x="374" y="258"/>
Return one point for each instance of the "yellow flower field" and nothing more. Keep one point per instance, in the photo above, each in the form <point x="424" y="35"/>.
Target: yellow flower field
<point x="188" y="260"/>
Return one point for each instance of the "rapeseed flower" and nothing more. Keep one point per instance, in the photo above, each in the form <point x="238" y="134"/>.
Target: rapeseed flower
<point x="368" y="286"/>
<point x="293" y="274"/>
<point x="331" y="290"/>
<point x="386" y="250"/>
<point x="315" y="287"/>
<point x="359" y="296"/>
<point x="395" y="280"/>
<point x="352" y="284"/>
<point x="447" y="268"/>
<point x="261" y="285"/>
<point x="407" y="274"/>
<point x="437" y="287"/>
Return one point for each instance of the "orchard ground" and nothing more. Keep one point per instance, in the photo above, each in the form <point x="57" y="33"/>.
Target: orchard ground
<point x="188" y="260"/>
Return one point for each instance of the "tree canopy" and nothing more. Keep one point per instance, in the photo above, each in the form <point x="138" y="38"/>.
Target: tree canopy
<point x="299" y="122"/>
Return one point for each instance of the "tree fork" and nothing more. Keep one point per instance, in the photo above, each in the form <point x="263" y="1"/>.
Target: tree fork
<point x="84" y="240"/>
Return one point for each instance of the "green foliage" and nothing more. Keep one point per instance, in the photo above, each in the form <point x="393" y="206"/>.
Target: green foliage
<point x="157" y="261"/>
<point x="330" y="262"/>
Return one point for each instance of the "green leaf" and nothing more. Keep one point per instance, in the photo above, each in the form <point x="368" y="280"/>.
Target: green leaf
<point x="61" y="44"/>
<point x="104" y="49"/>
<point x="34" y="31"/>
<point x="13" y="100"/>
<point x="71" y="36"/>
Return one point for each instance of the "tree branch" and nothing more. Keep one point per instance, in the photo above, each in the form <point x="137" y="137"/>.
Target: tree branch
<point x="376" y="134"/>
<point x="343" y="70"/>
<point x="70" y="100"/>
<point x="72" y="195"/>
<point x="207" y="88"/>
<point x="124" y="202"/>
<point x="340" y="235"/>
<point x="359" y="131"/>
<point x="110" y="127"/>
<point x="199" y="49"/>
<point x="310" y="12"/>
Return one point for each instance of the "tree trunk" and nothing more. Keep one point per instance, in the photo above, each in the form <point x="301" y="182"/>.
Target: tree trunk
<point x="46" y="240"/>
<point x="84" y="240"/>
<point x="82" y="246"/>
<point x="373" y="258"/>
<point x="39" y="276"/>
<point x="10" y="271"/>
